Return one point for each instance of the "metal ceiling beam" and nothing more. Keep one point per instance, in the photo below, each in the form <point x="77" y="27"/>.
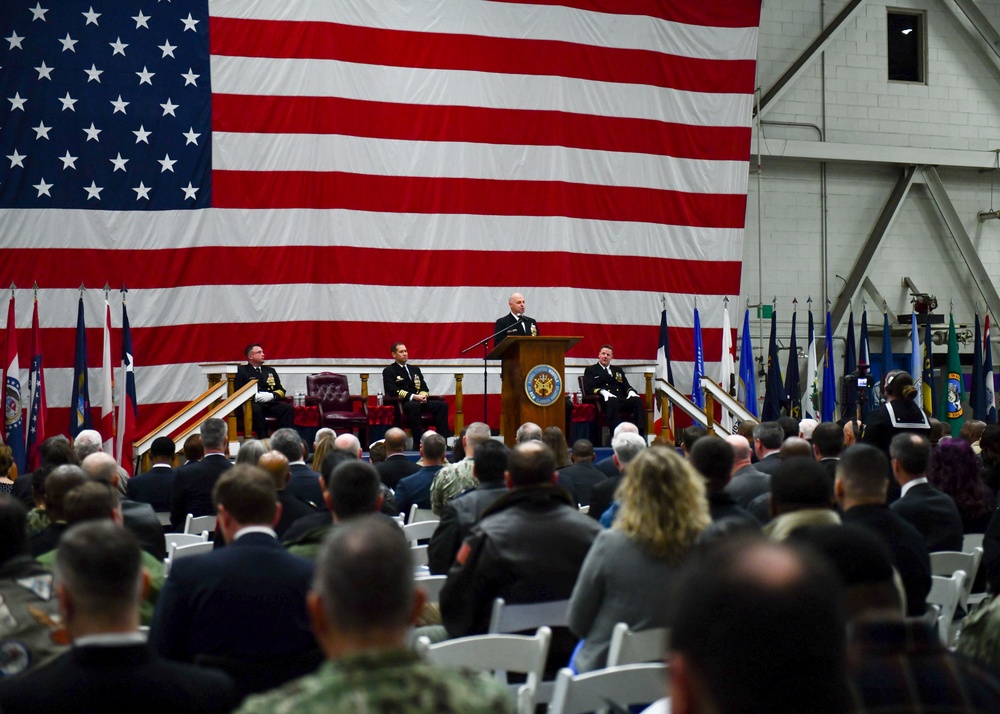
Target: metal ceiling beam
<point x="834" y="152"/>
<point x="773" y="94"/>
<point x="864" y="259"/>
<point x="954" y="224"/>
<point x="981" y="24"/>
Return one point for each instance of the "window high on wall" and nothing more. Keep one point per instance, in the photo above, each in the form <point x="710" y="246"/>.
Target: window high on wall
<point x="907" y="46"/>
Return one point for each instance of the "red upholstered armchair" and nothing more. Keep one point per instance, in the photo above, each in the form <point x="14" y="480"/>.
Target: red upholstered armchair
<point x="338" y="408"/>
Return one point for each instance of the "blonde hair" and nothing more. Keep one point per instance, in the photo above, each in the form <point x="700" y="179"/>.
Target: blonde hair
<point x="663" y="504"/>
<point x="323" y="447"/>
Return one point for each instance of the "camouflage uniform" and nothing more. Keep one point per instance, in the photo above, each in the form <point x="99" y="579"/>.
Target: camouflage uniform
<point x="31" y="630"/>
<point x="450" y="481"/>
<point x="150" y="563"/>
<point x="980" y="637"/>
<point x="390" y="681"/>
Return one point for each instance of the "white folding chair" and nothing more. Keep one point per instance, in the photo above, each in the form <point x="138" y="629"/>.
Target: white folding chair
<point x="946" y="592"/>
<point x="516" y="618"/>
<point x="184" y="538"/>
<point x="185" y="551"/>
<point x="585" y="509"/>
<point x="431" y="585"/>
<point x="419" y="553"/>
<point x="420" y="514"/>
<point x="620" y="686"/>
<point x="634" y="647"/>
<point x="499" y="654"/>
<point x="163" y="517"/>
<point x="970" y="541"/>
<point x="420" y="531"/>
<point x="197" y="524"/>
<point x="946" y="562"/>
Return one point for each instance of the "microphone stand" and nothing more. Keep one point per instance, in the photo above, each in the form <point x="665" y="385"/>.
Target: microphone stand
<point x="485" y="342"/>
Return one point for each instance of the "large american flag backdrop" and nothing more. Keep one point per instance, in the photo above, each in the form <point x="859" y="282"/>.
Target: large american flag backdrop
<point x="330" y="177"/>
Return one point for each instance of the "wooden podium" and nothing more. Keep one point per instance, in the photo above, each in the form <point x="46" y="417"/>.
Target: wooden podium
<point x="521" y="357"/>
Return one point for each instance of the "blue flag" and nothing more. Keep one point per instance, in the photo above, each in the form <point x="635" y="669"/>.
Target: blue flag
<point x="79" y="412"/>
<point x="829" y="375"/>
<point x="697" y="396"/>
<point x="748" y="374"/>
<point x="793" y="390"/>
<point x="849" y="401"/>
<point x="886" y="349"/>
<point x="773" y="388"/>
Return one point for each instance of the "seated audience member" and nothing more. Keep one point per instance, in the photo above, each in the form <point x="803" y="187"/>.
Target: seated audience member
<point x="240" y="608"/>
<point x="194" y="450"/>
<point x="350" y="490"/>
<point x="376" y="452"/>
<point x="110" y="668"/>
<point x="896" y="665"/>
<point x="713" y="460"/>
<point x="38" y="517"/>
<point x="140" y="518"/>
<point x="304" y="482"/>
<point x="757" y="626"/>
<point x="97" y="501"/>
<point x="828" y="443"/>
<point x="464" y="512"/>
<point x="767" y="439"/>
<point x="795" y="447"/>
<point x="852" y="432"/>
<point x="989" y="455"/>
<point x="87" y="442"/>
<point x="625" y="447"/>
<point x="397" y="464"/>
<point x="349" y="444"/>
<point x="57" y="485"/>
<point x="971" y="432"/>
<point x="954" y="469"/>
<point x="275" y="464"/>
<point x="250" y="451"/>
<point x="322" y="446"/>
<point x="32" y="632"/>
<point x="581" y="477"/>
<point x="528" y="547"/>
<point x="860" y="490"/>
<point x="747" y="483"/>
<point x="690" y="436"/>
<point x="6" y="462"/>
<point x="457" y="449"/>
<point x="416" y="488"/>
<point x="790" y="426"/>
<point x="801" y="495"/>
<point x="528" y="431"/>
<point x="453" y="479"/>
<point x="156" y="486"/>
<point x="361" y="606"/>
<point x="194" y="484"/>
<point x="607" y="465"/>
<point x="54" y="451"/>
<point x="629" y="568"/>
<point x="927" y="509"/>
<point x="553" y="437"/>
<point x="807" y="427"/>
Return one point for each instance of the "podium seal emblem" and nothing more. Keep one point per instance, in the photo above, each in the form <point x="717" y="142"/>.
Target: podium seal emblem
<point x="543" y="385"/>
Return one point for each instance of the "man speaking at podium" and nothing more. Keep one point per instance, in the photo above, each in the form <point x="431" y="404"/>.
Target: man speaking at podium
<point x="516" y="323"/>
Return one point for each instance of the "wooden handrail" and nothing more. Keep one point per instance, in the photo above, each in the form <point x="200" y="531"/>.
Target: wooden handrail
<point x="210" y="394"/>
<point x="224" y="408"/>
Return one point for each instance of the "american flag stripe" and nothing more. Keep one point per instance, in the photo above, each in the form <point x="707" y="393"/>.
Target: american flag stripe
<point x="389" y="170"/>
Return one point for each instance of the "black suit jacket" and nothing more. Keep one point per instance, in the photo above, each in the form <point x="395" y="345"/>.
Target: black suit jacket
<point x="267" y="379"/>
<point x="305" y="486"/>
<point x="508" y="322"/>
<point x="607" y="467"/>
<point x="906" y="547"/>
<point x="602" y="496"/>
<point x="580" y="480"/>
<point x="396" y="382"/>
<point x="141" y="519"/>
<point x="395" y="468"/>
<point x="596" y="378"/>
<point x="193" y="489"/>
<point x="155" y="487"/>
<point x="292" y="510"/>
<point x="769" y="464"/>
<point x="934" y="514"/>
<point x="244" y="601"/>
<point x="118" y="678"/>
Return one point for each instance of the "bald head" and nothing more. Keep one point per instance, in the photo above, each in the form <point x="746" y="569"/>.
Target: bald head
<point x="275" y="465"/>
<point x="101" y="467"/>
<point x="741" y="451"/>
<point x="516" y="303"/>
<point x="395" y="441"/>
<point x="348" y="443"/>
<point x="795" y="446"/>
